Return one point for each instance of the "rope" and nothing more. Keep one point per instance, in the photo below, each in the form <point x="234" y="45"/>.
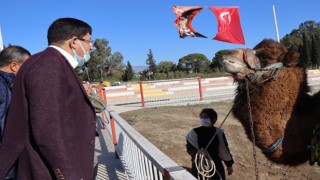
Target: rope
<point x="252" y="133"/>
<point x="205" y="165"/>
<point x="203" y="160"/>
<point x="107" y="117"/>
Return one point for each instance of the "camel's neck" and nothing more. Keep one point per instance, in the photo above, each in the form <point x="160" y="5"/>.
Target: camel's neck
<point x="270" y="103"/>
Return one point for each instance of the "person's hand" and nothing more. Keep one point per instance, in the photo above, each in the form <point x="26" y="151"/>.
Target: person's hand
<point x="230" y="170"/>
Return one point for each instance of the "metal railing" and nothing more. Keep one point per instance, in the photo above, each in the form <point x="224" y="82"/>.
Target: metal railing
<point x="175" y="91"/>
<point x="139" y="157"/>
<point x="172" y="91"/>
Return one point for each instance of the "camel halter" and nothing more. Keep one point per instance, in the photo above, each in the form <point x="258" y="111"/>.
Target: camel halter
<point x="254" y="63"/>
<point x="273" y="68"/>
<point x="274" y="146"/>
<point x="252" y="60"/>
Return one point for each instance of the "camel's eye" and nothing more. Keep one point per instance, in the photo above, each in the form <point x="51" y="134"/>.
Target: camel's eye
<point x="265" y="56"/>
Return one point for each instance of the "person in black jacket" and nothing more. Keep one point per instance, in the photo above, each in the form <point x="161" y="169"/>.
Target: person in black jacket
<point x="200" y="142"/>
<point x="11" y="58"/>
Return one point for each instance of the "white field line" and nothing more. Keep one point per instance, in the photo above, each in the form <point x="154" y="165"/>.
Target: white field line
<point x="128" y="93"/>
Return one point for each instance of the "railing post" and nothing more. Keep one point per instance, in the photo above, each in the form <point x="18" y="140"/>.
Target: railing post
<point x="100" y="90"/>
<point x="200" y="88"/>
<point x="166" y="174"/>
<point x="100" y="93"/>
<point x="141" y="93"/>
<point x="114" y="135"/>
<point x="104" y="95"/>
<point x="168" y="170"/>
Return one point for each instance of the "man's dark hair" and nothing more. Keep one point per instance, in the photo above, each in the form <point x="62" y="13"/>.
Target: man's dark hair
<point x="65" y="28"/>
<point x="13" y="53"/>
<point x="211" y="113"/>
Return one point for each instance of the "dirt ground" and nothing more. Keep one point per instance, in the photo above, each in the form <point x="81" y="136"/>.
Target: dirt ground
<point x="167" y="126"/>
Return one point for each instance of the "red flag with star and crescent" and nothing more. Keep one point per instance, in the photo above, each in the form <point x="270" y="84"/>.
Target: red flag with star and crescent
<point x="229" y="26"/>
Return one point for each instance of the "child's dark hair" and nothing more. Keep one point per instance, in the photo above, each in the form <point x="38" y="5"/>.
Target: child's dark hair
<point x="210" y="113"/>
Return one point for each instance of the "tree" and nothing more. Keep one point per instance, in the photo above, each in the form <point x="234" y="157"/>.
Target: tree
<point x="315" y="52"/>
<point x="194" y="63"/>
<point x="305" y="57"/>
<point x="115" y="65"/>
<point x="144" y="75"/>
<point x="94" y="69"/>
<point x="166" y="67"/>
<point x="152" y="67"/>
<point x="293" y="40"/>
<point x="309" y="26"/>
<point x="128" y="73"/>
<point x="303" y="40"/>
<point x="217" y="61"/>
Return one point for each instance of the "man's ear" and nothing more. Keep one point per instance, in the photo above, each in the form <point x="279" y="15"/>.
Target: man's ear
<point x="73" y="42"/>
<point x="14" y="66"/>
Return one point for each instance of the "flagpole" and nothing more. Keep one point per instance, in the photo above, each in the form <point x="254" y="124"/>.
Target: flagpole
<point x="275" y="22"/>
<point x="1" y="42"/>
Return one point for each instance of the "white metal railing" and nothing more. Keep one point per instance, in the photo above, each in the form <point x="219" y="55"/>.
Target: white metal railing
<point x="139" y="157"/>
<point x="175" y="91"/>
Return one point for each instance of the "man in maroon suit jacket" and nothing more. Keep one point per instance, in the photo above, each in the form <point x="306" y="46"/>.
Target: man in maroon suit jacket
<point x="51" y="123"/>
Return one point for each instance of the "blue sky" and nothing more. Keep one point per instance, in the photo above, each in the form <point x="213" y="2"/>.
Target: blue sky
<point x="134" y="27"/>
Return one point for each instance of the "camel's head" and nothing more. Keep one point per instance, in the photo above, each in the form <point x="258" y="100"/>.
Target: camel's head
<point x="268" y="53"/>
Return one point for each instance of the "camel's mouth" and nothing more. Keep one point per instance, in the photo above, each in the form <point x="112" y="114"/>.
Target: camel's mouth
<point x="233" y="66"/>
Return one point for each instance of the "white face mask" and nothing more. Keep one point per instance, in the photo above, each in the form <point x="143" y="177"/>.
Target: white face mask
<point x="205" y="122"/>
<point x="81" y="60"/>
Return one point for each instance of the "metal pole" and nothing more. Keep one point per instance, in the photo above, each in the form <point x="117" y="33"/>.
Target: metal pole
<point x="275" y="22"/>
<point x="141" y="93"/>
<point x="114" y="135"/>
<point x="1" y="41"/>
<point x="200" y="88"/>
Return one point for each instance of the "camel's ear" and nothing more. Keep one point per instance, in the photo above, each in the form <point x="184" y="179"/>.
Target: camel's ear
<point x="291" y="59"/>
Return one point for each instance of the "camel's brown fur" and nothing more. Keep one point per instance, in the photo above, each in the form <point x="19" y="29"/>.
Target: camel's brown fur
<point x="279" y="107"/>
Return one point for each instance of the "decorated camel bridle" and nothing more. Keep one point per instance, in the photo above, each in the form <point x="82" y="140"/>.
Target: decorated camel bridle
<point x="253" y="62"/>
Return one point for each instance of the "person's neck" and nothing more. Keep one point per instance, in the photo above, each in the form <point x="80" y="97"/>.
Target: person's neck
<point x="6" y="69"/>
<point x="208" y="126"/>
<point x="65" y="47"/>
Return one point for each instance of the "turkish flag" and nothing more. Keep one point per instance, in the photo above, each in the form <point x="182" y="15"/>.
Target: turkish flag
<point x="229" y="26"/>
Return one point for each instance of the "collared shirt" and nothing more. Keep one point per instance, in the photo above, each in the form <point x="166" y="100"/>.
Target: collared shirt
<point x="6" y="80"/>
<point x="68" y="56"/>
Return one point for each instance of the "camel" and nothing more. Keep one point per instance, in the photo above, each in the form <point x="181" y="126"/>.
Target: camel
<point x="279" y="108"/>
